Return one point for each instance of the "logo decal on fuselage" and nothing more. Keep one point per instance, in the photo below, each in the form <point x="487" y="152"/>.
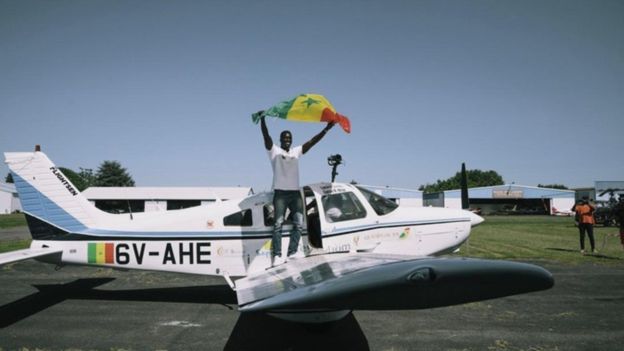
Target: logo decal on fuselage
<point x="405" y="233"/>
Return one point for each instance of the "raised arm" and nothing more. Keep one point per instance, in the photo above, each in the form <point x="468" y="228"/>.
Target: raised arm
<point x="307" y="146"/>
<point x="268" y="142"/>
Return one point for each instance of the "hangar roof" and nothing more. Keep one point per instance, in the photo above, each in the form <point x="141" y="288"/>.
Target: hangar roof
<point x="511" y="191"/>
<point x="166" y="193"/>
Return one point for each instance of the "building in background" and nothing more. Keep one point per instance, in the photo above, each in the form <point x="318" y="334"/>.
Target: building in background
<point x="147" y="199"/>
<point x="507" y="199"/>
<point x="9" y="201"/>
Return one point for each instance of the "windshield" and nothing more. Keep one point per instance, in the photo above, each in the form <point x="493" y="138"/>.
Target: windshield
<point x="380" y="204"/>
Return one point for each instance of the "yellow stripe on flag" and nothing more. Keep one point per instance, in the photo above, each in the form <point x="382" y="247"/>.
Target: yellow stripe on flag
<point x="100" y="252"/>
<point x="309" y="108"/>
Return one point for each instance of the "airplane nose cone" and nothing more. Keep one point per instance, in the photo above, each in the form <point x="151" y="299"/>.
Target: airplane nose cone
<point x="475" y="219"/>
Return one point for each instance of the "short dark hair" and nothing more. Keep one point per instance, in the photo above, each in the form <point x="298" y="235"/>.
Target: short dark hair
<point x="282" y="134"/>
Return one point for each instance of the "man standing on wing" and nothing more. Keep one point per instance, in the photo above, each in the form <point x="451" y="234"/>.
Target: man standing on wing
<point x="285" y="163"/>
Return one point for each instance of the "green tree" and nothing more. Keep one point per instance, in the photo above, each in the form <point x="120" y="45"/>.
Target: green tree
<point x="476" y="178"/>
<point x="87" y="176"/>
<point x="110" y="173"/>
<point x="9" y="178"/>
<point x="553" y="186"/>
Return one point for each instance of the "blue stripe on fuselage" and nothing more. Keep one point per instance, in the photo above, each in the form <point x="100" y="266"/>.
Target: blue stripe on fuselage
<point x="256" y="234"/>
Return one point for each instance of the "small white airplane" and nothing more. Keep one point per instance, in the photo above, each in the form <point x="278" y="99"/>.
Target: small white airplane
<point x="563" y="213"/>
<point x="363" y="251"/>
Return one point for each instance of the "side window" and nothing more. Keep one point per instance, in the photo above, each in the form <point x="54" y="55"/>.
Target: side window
<point x="269" y="215"/>
<point x="242" y="219"/>
<point x="342" y="207"/>
<point x="180" y="204"/>
<point x="380" y="204"/>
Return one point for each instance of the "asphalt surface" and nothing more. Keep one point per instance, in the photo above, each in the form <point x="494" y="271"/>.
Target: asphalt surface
<point x="16" y="233"/>
<point x="84" y="308"/>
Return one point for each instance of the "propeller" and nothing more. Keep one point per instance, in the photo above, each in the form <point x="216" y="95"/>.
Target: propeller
<point x="464" y="188"/>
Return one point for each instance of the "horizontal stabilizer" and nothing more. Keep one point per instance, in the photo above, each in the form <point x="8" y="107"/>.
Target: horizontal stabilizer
<point x="25" y="254"/>
<point x="383" y="282"/>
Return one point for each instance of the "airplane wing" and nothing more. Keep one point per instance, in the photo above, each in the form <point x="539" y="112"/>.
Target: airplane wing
<point x="363" y="281"/>
<point x="21" y="255"/>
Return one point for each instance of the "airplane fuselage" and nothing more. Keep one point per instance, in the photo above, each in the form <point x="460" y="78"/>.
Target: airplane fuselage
<point x="244" y="252"/>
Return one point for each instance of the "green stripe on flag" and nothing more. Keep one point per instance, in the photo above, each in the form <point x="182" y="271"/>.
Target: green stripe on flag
<point x="92" y="253"/>
<point x="280" y="110"/>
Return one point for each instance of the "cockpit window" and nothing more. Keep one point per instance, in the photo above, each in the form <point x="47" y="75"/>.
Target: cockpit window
<point x="342" y="207"/>
<point x="380" y="204"/>
<point x="242" y="218"/>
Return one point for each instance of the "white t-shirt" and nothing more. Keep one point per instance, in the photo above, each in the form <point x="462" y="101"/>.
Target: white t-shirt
<point x="285" y="167"/>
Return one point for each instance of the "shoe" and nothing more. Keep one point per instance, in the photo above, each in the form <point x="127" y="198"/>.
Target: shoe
<point x="595" y="252"/>
<point x="298" y="254"/>
<point x="583" y="252"/>
<point x="277" y="260"/>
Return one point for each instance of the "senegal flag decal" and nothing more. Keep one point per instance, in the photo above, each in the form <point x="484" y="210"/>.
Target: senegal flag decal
<point x="306" y="108"/>
<point x="101" y="253"/>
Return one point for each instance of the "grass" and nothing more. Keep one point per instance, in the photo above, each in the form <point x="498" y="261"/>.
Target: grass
<point x="540" y="238"/>
<point x="12" y="245"/>
<point x="12" y="220"/>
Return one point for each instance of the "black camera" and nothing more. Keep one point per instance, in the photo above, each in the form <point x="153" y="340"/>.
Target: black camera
<point x="334" y="160"/>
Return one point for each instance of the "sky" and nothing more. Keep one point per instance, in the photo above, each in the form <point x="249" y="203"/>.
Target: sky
<point x="532" y="89"/>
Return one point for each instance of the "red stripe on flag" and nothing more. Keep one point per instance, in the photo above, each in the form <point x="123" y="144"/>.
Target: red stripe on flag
<point x="110" y="253"/>
<point x="330" y="116"/>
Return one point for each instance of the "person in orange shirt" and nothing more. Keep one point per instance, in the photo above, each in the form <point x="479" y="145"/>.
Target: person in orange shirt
<point x="585" y="213"/>
<point x="619" y="215"/>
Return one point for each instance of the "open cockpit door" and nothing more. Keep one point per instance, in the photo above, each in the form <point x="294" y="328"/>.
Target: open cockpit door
<point x="313" y="221"/>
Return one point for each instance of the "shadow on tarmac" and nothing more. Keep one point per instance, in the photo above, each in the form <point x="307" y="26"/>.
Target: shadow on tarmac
<point x="598" y="255"/>
<point x="262" y="332"/>
<point x="252" y="330"/>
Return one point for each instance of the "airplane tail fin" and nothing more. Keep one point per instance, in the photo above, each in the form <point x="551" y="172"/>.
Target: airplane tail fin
<point x="52" y="204"/>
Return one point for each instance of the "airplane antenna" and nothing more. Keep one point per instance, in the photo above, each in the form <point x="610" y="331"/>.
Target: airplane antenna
<point x="334" y="161"/>
<point x="129" y="209"/>
<point x="464" y="188"/>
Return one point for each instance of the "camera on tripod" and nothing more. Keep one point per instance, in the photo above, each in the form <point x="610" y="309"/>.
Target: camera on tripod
<point x="334" y="161"/>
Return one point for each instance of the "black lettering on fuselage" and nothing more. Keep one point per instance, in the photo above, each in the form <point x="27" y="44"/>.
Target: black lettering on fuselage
<point x="187" y="253"/>
<point x="138" y="254"/>
<point x="203" y="253"/>
<point x="169" y="256"/>
<point x="121" y="253"/>
<point x="64" y="181"/>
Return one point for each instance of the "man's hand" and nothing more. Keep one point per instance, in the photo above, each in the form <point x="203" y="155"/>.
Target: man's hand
<point x="256" y="117"/>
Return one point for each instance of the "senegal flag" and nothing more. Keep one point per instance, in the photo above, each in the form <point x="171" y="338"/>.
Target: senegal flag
<point x="306" y="108"/>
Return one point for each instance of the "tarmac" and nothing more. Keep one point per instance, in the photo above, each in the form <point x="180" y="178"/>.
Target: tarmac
<point x="85" y="308"/>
